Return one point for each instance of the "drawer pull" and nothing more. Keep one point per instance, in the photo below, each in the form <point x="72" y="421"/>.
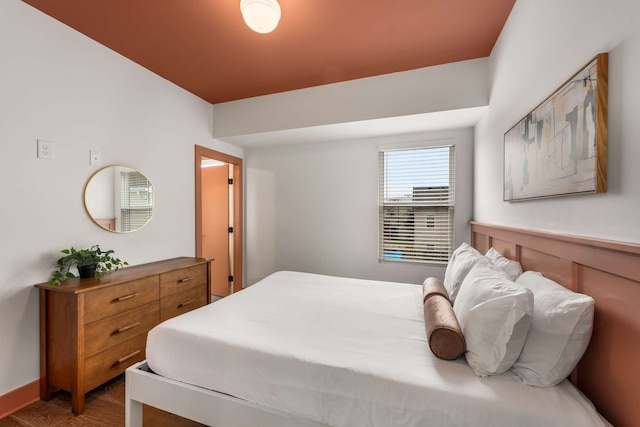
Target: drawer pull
<point x="126" y="297"/>
<point x="127" y="357"/>
<point x="186" y="279"/>
<point x="126" y="328"/>
<point x="184" y="304"/>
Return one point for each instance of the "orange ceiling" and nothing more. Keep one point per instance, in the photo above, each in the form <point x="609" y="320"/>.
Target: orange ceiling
<point x="205" y="47"/>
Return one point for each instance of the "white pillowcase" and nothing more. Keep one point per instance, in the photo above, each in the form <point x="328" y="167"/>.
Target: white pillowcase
<point x="512" y="268"/>
<point x="462" y="259"/>
<point x="559" y="334"/>
<point x="494" y="314"/>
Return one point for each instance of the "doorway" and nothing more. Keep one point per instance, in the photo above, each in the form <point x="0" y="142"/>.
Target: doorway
<point x="218" y="182"/>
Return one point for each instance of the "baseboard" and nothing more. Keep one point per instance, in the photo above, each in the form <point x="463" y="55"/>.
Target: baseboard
<point x="19" y="398"/>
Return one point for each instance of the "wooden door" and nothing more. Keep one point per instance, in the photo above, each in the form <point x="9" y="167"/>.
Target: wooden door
<point x="215" y="225"/>
<point x="218" y="207"/>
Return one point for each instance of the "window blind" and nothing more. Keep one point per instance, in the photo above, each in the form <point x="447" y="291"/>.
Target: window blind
<point x="136" y="198"/>
<point x="416" y="204"/>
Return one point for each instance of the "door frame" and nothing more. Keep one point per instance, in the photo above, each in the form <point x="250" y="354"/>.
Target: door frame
<point x="237" y="208"/>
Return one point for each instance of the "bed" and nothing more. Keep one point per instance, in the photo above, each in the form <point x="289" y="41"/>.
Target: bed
<point x="358" y="370"/>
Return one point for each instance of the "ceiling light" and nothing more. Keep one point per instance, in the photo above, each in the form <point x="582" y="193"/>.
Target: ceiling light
<point x="261" y="16"/>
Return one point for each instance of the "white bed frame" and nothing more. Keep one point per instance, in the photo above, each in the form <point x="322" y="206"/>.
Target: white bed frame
<point x="608" y="373"/>
<point x="198" y="404"/>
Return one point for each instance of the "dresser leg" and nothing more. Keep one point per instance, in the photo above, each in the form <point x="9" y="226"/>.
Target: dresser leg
<point x="77" y="403"/>
<point x="46" y="392"/>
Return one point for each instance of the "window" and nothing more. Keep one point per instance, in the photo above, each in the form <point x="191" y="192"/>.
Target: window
<point x="136" y="200"/>
<point x="416" y="204"/>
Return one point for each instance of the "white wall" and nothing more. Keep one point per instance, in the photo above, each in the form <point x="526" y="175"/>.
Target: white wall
<point x="61" y="86"/>
<point x="543" y="44"/>
<point x="454" y="86"/>
<point x="313" y="207"/>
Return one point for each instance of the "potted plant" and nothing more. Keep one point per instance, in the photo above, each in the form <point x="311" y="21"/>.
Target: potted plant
<point x="90" y="262"/>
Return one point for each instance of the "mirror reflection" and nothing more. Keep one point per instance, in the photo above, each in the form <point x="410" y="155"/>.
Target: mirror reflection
<point x="120" y="199"/>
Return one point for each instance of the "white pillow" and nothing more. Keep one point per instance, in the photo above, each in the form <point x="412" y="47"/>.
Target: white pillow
<point x="559" y="334"/>
<point x="512" y="268"/>
<point x="459" y="266"/>
<point x="494" y="314"/>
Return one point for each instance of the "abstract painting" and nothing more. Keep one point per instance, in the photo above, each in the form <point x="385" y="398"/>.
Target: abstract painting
<point x="560" y="147"/>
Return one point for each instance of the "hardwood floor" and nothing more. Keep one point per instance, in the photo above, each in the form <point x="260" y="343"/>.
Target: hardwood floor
<point x="104" y="408"/>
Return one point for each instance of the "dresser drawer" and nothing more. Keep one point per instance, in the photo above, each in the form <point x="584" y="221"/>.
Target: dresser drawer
<point x="115" y="299"/>
<point x="113" y="361"/>
<point x="119" y="328"/>
<point x="182" y="279"/>
<point x="182" y="302"/>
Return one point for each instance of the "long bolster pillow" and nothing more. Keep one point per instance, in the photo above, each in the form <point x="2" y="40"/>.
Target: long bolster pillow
<point x="433" y="286"/>
<point x="443" y="331"/>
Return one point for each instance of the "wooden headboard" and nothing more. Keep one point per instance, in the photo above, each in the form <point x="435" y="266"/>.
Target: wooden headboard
<point x="608" y="271"/>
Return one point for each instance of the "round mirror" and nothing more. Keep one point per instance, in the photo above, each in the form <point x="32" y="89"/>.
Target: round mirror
<point x="120" y="199"/>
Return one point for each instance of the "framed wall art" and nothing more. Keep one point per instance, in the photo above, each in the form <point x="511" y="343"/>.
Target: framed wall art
<point x="560" y="148"/>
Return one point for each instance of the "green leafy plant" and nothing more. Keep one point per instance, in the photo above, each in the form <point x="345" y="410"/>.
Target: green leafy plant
<point x="94" y="256"/>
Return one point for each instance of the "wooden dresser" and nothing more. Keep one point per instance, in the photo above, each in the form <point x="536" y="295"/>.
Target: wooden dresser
<point x="92" y="330"/>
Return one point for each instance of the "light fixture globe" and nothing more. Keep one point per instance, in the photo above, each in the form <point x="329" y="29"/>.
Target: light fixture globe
<point x="262" y="16"/>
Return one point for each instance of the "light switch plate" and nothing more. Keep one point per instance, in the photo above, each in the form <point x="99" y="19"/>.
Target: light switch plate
<point x="95" y="158"/>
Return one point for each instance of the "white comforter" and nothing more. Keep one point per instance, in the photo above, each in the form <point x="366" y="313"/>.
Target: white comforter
<point x="347" y="353"/>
